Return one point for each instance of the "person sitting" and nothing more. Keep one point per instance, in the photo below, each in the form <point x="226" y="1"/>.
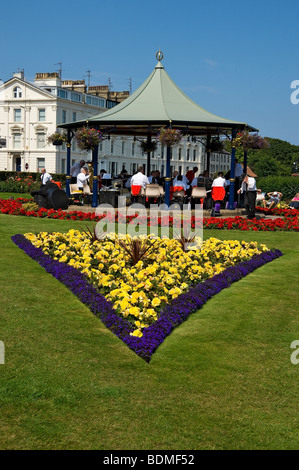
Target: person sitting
<point x="82" y="178"/>
<point x="260" y="197"/>
<point x="275" y="198"/>
<point x="294" y="204"/>
<point x="179" y="184"/>
<point x="75" y="170"/>
<point x="138" y="181"/>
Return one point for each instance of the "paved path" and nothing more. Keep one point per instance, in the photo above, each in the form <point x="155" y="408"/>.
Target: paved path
<point x="224" y="212"/>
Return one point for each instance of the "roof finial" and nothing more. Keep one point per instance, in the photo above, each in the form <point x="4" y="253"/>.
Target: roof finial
<point x="159" y="55"/>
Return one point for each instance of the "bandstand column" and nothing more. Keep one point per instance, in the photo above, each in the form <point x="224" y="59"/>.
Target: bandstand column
<point x="68" y="163"/>
<point x="168" y="178"/>
<point x="245" y="162"/>
<point x="95" y="184"/>
<point x="231" y="204"/>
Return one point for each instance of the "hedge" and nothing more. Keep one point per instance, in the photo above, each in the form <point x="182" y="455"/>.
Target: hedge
<point x="287" y="185"/>
<point x="4" y="175"/>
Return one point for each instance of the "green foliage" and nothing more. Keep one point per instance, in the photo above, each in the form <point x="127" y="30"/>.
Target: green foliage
<point x="287" y="185"/>
<point x="30" y="206"/>
<point x="277" y="160"/>
<point x="4" y="175"/>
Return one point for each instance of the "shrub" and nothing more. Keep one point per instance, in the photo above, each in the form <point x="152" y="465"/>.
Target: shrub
<point x="287" y="185"/>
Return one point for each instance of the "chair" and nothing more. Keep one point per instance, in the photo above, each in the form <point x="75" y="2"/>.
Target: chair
<point x="179" y="196"/>
<point x="199" y="193"/>
<point x="75" y="193"/>
<point x="87" y="193"/>
<point x="137" y="193"/>
<point x="153" y="191"/>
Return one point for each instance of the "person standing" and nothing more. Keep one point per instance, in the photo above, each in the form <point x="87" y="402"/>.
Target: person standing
<point x="45" y="177"/>
<point x="75" y="170"/>
<point x="248" y="188"/>
<point x="218" y="193"/>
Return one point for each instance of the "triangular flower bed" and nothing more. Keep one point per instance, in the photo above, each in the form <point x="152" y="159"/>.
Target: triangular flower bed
<point x="173" y="314"/>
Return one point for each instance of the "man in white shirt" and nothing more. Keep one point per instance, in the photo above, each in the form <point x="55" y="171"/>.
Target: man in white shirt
<point x="45" y="177"/>
<point x="248" y="187"/>
<point x="220" y="181"/>
<point x="82" y="178"/>
<point x="138" y="181"/>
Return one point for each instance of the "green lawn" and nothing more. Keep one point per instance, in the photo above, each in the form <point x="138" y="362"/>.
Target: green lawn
<point x="222" y="380"/>
<point x="15" y="195"/>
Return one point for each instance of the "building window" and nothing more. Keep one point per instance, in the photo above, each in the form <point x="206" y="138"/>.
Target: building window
<point x="40" y="140"/>
<point x="42" y="114"/>
<point x="16" y="140"/>
<point x="17" y="115"/>
<point x="101" y="146"/>
<point x="133" y="148"/>
<point x="111" y="147"/>
<point x="123" y="147"/>
<point x="188" y="155"/>
<point x="194" y="155"/>
<point x="180" y="154"/>
<point x="74" y="117"/>
<point x="63" y="116"/>
<point x="63" y="165"/>
<point x="17" y="92"/>
<point x="40" y="164"/>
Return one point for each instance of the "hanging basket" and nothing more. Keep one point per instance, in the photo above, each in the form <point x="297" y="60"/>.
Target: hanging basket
<point x="247" y="141"/>
<point x="56" y="138"/>
<point x="87" y="138"/>
<point x="169" y="137"/>
<point x="148" y="147"/>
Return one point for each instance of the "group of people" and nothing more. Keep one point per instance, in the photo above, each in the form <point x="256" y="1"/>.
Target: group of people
<point x="79" y="174"/>
<point x="216" y="189"/>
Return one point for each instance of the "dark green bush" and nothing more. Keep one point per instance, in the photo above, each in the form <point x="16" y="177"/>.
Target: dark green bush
<point x="287" y="185"/>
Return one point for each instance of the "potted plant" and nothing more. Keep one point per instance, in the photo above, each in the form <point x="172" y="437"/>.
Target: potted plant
<point x="56" y="138"/>
<point x="248" y="141"/>
<point x="87" y="138"/>
<point x="169" y="137"/>
<point x="148" y="147"/>
<point x="216" y="145"/>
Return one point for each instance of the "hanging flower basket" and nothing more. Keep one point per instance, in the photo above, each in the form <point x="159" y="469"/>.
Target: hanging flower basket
<point x="169" y="137"/>
<point x="148" y="147"/>
<point x="248" y="141"/>
<point x="216" y="145"/>
<point x="87" y="138"/>
<point x="57" y="138"/>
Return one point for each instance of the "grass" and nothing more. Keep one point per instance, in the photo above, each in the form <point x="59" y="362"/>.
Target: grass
<point x="222" y="380"/>
<point x="15" y="195"/>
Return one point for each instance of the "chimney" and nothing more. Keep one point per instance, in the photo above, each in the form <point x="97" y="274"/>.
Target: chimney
<point x="19" y="74"/>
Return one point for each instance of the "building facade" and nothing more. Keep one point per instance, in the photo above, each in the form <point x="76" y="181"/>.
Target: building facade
<point x="30" y="112"/>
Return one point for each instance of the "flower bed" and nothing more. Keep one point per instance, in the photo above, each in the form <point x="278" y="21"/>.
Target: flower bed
<point x="146" y="301"/>
<point x="287" y="222"/>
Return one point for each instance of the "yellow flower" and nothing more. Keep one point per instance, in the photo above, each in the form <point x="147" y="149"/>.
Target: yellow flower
<point x="156" y="302"/>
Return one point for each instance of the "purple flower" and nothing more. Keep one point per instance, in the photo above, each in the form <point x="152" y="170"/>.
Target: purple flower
<point x="173" y="314"/>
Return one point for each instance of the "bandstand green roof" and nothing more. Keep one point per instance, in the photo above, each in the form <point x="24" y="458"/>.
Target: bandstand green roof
<point x="156" y="103"/>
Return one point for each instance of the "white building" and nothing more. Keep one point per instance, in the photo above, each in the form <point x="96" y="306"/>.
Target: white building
<point x="30" y="112"/>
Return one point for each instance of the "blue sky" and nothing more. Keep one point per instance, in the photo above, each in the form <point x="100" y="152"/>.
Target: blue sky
<point x="235" y="59"/>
